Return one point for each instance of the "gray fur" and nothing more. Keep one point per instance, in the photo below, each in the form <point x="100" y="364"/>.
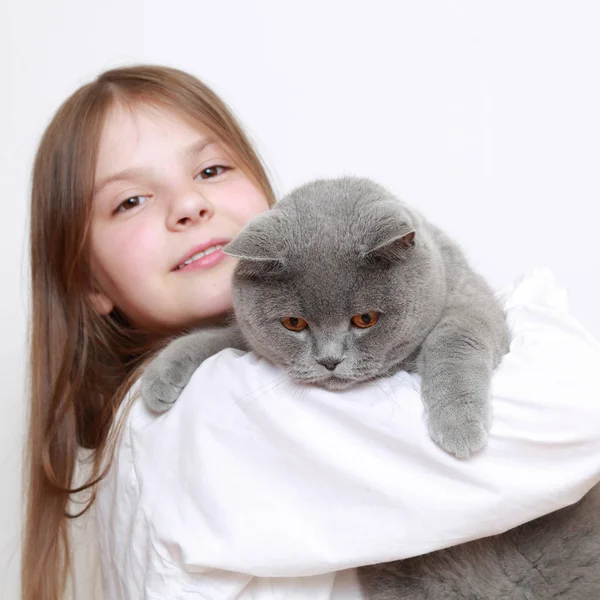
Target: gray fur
<point x="170" y="371"/>
<point x="338" y="248"/>
<point x="555" y="557"/>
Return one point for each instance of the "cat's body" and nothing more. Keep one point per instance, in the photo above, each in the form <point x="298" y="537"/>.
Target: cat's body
<point x="341" y="249"/>
<point x="341" y="283"/>
<point x="556" y="557"/>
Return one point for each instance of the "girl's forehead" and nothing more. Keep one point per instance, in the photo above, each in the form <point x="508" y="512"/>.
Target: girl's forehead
<point x="133" y="125"/>
<point x="143" y="133"/>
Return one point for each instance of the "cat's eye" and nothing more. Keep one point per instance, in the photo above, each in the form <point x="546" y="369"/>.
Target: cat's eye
<point x="294" y="323"/>
<point x="365" y="320"/>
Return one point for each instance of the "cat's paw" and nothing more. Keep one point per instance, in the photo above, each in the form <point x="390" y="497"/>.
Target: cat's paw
<point x="460" y="431"/>
<point x="162" y="383"/>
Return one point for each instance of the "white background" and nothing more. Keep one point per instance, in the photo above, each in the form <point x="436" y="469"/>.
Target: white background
<point x="485" y="115"/>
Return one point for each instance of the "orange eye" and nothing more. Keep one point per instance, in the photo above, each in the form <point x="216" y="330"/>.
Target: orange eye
<point x="365" y="320"/>
<point x="294" y="323"/>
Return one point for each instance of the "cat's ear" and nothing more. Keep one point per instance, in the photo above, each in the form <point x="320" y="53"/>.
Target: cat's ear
<point x="393" y="250"/>
<point x="256" y="248"/>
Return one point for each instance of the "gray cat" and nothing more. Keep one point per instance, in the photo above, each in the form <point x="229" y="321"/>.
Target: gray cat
<point x="341" y="283"/>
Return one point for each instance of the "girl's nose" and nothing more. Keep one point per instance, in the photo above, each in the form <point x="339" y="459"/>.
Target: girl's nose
<point x="189" y="209"/>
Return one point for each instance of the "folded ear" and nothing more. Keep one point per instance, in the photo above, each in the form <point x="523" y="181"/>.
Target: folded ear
<point x="394" y="249"/>
<point x="256" y="247"/>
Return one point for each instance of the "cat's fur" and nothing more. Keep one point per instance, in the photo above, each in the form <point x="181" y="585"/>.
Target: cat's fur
<point x="554" y="557"/>
<point x="335" y="249"/>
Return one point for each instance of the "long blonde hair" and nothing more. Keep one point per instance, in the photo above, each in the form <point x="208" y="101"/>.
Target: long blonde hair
<point x="81" y="363"/>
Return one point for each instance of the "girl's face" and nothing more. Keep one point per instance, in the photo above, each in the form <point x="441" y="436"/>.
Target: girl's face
<point x="167" y="196"/>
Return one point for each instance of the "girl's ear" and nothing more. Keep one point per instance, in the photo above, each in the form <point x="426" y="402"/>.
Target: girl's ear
<point x="101" y="303"/>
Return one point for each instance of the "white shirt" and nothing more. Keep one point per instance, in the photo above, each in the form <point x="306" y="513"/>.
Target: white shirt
<point x="253" y="487"/>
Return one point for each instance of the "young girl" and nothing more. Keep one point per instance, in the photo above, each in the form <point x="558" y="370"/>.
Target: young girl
<point x="138" y="172"/>
<point x="140" y="179"/>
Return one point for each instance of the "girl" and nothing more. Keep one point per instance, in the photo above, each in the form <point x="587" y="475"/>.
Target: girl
<point x="140" y="179"/>
<point x="105" y="256"/>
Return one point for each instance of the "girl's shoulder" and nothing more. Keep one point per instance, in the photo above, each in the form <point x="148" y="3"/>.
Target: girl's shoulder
<point x="130" y="566"/>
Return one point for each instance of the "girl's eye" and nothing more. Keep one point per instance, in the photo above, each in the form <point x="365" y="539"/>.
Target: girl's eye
<point x="365" y="320"/>
<point x="294" y="323"/>
<point x="131" y="203"/>
<point x="211" y="172"/>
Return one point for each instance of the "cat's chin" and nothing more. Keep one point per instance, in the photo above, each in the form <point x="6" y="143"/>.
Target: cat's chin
<point x="337" y="385"/>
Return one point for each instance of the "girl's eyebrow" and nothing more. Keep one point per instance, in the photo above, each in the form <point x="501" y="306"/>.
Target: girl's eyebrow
<point x="198" y="146"/>
<point x="124" y="175"/>
<point x="192" y="150"/>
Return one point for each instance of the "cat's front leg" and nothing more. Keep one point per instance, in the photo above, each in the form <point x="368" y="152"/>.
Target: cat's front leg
<point x="456" y="364"/>
<point x="168" y="373"/>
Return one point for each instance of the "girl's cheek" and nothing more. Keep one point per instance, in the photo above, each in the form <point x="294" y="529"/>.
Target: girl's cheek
<point x="245" y="201"/>
<point x="141" y="247"/>
<point x="133" y="249"/>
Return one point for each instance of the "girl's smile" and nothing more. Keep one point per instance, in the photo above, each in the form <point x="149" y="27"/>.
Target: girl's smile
<point x="168" y="197"/>
<point x="203" y="256"/>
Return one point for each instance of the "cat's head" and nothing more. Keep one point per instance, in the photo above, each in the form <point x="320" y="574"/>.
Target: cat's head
<point x="335" y="283"/>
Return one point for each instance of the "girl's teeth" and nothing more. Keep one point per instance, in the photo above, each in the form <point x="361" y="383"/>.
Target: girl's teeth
<point x="200" y="255"/>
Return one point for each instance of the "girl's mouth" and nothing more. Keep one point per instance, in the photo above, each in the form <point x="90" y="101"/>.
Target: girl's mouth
<point x="204" y="259"/>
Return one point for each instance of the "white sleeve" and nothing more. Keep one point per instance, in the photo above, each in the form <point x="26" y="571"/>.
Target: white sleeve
<point x="253" y="474"/>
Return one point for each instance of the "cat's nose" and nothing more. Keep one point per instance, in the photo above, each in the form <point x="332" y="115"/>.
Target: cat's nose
<point x="330" y="363"/>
